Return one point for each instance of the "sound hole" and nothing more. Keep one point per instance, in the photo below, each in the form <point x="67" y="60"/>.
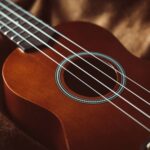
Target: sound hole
<point x="80" y="88"/>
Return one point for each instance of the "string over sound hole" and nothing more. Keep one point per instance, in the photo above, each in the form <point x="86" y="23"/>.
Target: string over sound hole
<point x="77" y="86"/>
<point x="101" y="75"/>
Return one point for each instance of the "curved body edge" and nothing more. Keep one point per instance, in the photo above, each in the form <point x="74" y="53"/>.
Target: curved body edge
<point x="40" y="107"/>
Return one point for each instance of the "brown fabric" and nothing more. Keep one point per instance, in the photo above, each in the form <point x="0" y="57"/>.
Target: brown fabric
<point x="11" y="138"/>
<point x="128" y="20"/>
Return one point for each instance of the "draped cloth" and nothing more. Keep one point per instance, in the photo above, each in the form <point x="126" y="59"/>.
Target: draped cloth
<point x="128" y="20"/>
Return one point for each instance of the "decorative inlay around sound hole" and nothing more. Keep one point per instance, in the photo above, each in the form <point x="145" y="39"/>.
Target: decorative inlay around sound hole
<point x="94" y="84"/>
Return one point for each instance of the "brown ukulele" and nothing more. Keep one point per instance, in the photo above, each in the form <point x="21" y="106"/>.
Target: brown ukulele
<point x="74" y="87"/>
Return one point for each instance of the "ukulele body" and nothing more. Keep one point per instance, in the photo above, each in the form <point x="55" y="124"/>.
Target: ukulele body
<point x="37" y="104"/>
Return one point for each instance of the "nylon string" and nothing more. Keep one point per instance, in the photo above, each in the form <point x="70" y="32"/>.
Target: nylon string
<point x="135" y="94"/>
<point x="65" y="37"/>
<point x="72" y="63"/>
<point x="124" y="99"/>
<point x="116" y="106"/>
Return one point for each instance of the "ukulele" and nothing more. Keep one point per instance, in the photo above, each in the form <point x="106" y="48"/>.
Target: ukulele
<point x="75" y="86"/>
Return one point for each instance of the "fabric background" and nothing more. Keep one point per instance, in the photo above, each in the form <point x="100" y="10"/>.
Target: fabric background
<point x="128" y="20"/>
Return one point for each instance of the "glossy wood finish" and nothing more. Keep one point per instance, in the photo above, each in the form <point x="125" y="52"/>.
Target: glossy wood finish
<point x="36" y="103"/>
